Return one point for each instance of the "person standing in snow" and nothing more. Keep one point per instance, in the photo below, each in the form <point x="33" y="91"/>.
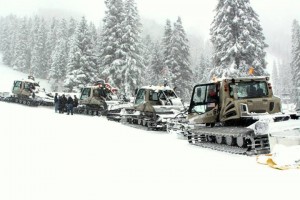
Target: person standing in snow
<point x="59" y="104"/>
<point x="75" y="101"/>
<point x="56" y="102"/>
<point x="70" y="103"/>
<point x="63" y="101"/>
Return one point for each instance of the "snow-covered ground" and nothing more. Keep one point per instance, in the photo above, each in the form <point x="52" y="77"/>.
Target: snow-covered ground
<point x="8" y="75"/>
<point x="47" y="156"/>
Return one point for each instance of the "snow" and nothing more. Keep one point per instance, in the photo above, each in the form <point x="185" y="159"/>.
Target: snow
<point x="284" y="155"/>
<point x="45" y="155"/>
<point x="7" y="79"/>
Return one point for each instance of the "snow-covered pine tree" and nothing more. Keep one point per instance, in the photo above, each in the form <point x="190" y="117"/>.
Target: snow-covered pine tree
<point x="202" y="68"/>
<point x="8" y="39"/>
<point x="33" y="37"/>
<point x="98" y="50"/>
<point x="81" y="68"/>
<point x="89" y="72"/>
<point x="157" y="64"/>
<point x="147" y="74"/>
<point x="2" y="25"/>
<point x="93" y="32"/>
<point x="112" y="55"/>
<point x="180" y="64"/>
<point x="295" y="64"/>
<point x="51" y="44"/>
<point x="39" y="61"/>
<point x="72" y="27"/>
<point x="152" y="54"/>
<point x="275" y="79"/>
<point x="132" y="46"/>
<point x="73" y="65"/>
<point x="71" y="32"/>
<point x="29" y="42"/>
<point x="34" y="31"/>
<point x="95" y="45"/>
<point x="238" y="40"/>
<point x="59" y="58"/>
<point x="167" y="49"/>
<point x="21" y="49"/>
<point x="284" y="84"/>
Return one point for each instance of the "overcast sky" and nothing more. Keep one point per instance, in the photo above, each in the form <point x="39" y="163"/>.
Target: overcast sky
<point x="275" y="15"/>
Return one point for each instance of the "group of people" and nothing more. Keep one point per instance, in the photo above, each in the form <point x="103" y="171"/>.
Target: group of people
<point x="65" y="104"/>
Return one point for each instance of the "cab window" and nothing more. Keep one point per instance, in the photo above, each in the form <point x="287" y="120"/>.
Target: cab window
<point x="170" y="94"/>
<point x="85" y="93"/>
<point x="140" y="97"/>
<point x="27" y="86"/>
<point x="153" y="96"/>
<point x="253" y="89"/>
<point x="17" y="85"/>
<point x="205" y="98"/>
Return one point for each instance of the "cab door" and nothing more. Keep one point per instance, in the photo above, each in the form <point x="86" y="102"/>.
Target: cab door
<point x="17" y="87"/>
<point x="85" y="95"/>
<point x="204" y="104"/>
<point x="26" y="88"/>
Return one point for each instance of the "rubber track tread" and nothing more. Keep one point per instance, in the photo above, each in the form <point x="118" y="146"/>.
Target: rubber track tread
<point x="259" y="144"/>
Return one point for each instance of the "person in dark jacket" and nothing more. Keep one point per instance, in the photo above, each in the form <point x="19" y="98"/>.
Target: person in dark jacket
<point x="59" y="104"/>
<point x="70" y="103"/>
<point x="56" y="102"/>
<point x="63" y="103"/>
<point x="75" y="101"/>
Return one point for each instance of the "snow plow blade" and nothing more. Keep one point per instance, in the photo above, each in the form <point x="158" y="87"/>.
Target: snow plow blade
<point x="282" y="158"/>
<point x="280" y="133"/>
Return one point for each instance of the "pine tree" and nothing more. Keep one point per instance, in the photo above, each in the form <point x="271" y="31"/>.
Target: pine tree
<point x="95" y="45"/>
<point x="71" y="32"/>
<point x="275" y="80"/>
<point x="21" y="50"/>
<point x="29" y="43"/>
<point x="34" y="31"/>
<point x="167" y="48"/>
<point x="33" y="37"/>
<point x="132" y="46"/>
<point x="295" y="64"/>
<point x="237" y="39"/>
<point x="147" y="73"/>
<point x="39" y="60"/>
<point x="93" y="32"/>
<point x="8" y="39"/>
<point x="50" y="45"/>
<point x="72" y="27"/>
<point x="2" y="24"/>
<point x="152" y="54"/>
<point x="59" y="58"/>
<point x="81" y="69"/>
<point x="284" y="83"/>
<point x="180" y="64"/>
<point x="112" y="55"/>
<point x="157" y="64"/>
<point x="202" y="69"/>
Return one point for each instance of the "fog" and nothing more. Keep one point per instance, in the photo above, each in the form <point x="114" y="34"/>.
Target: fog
<point x="276" y="16"/>
<point x="196" y="14"/>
